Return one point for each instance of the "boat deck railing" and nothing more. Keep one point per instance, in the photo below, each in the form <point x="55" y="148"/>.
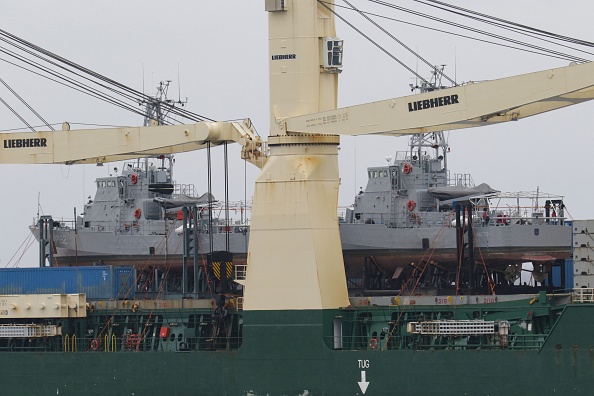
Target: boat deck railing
<point x="184" y="189"/>
<point x="446" y="219"/>
<point x="155" y="227"/>
<point x="68" y="224"/>
<point x="460" y="179"/>
<point x="583" y="295"/>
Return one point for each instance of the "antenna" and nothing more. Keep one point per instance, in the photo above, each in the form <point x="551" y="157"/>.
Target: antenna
<point x="456" y="64"/>
<point x="178" y="86"/>
<point x="417" y="70"/>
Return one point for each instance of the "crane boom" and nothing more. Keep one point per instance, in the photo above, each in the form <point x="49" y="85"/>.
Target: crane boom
<point x="469" y="105"/>
<point x="114" y="144"/>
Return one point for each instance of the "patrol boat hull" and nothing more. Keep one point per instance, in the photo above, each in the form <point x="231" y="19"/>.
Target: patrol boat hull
<point x="108" y="248"/>
<point x="497" y="247"/>
<point x="390" y="247"/>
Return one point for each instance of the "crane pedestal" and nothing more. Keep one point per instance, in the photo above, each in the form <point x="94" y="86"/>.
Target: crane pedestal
<point x="295" y="256"/>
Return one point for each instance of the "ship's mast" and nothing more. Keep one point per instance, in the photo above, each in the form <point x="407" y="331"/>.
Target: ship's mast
<point x="433" y="140"/>
<point x="155" y="114"/>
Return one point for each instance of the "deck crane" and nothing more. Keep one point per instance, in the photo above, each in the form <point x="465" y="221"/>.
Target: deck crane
<point x="98" y="146"/>
<point x="294" y="232"/>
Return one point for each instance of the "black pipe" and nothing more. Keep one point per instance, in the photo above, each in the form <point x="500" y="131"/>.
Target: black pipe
<point x="459" y="242"/>
<point x="472" y="264"/>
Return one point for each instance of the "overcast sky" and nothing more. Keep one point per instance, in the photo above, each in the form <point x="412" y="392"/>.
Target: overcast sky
<point x="220" y="49"/>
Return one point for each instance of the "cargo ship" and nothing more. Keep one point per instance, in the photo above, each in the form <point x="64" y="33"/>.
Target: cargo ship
<point x="289" y="327"/>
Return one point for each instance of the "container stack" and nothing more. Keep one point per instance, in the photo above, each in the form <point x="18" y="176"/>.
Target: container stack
<point x="583" y="254"/>
<point x="98" y="282"/>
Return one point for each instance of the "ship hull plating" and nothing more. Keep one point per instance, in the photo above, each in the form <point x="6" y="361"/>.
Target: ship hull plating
<point x="283" y="353"/>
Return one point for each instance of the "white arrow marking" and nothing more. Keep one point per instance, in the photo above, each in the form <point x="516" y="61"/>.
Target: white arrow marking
<point x="363" y="384"/>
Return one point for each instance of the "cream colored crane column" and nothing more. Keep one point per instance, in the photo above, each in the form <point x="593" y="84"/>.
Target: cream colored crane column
<point x="295" y="256"/>
<point x="298" y="83"/>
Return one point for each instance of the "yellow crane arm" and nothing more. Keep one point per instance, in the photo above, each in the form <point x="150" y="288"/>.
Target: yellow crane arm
<point x="114" y="144"/>
<point x="465" y="106"/>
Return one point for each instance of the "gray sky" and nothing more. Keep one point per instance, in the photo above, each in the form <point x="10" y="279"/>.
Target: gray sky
<point x="221" y="51"/>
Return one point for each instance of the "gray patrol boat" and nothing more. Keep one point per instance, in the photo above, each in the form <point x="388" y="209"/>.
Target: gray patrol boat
<point x="137" y="218"/>
<point x="414" y="216"/>
<point x="418" y="225"/>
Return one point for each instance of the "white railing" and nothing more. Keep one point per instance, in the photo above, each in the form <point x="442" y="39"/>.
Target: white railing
<point x="584" y="295"/>
<point x="452" y="327"/>
<point x="240" y="303"/>
<point x="240" y="272"/>
<point x="29" y="331"/>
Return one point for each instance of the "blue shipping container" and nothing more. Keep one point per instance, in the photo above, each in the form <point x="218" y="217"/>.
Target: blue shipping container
<point x="569" y="274"/>
<point x="98" y="283"/>
<point x="558" y="279"/>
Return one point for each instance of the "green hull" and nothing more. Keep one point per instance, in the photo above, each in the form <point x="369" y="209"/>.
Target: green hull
<point x="287" y="353"/>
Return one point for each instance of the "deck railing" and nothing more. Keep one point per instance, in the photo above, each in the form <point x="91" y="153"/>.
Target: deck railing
<point x="583" y="295"/>
<point x="513" y="342"/>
